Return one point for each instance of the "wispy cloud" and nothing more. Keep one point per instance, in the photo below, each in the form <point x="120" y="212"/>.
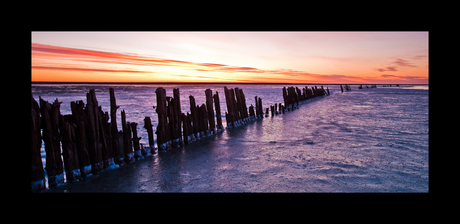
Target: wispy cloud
<point x="87" y="69"/>
<point x="403" y="63"/>
<point x="399" y="62"/>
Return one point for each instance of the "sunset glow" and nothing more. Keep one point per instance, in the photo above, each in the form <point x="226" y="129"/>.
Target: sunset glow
<point x="252" y="57"/>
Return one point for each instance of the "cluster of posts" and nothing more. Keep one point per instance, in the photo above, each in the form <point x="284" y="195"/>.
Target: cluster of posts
<point x="90" y="143"/>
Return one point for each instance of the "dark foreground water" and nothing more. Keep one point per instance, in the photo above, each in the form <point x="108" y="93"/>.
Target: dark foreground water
<point x="369" y="140"/>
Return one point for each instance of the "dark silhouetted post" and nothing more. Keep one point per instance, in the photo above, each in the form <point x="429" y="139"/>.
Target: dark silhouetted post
<point x="162" y="116"/>
<point x="119" y="158"/>
<point x="210" y="110"/>
<point x="51" y="137"/>
<point x="149" y="127"/>
<point x="37" y="172"/>
<point x="69" y="148"/>
<point x="137" y="150"/>
<point x="218" y="113"/>
<point x="79" y="117"/>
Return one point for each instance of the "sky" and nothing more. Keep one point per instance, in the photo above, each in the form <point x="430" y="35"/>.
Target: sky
<point x="247" y="57"/>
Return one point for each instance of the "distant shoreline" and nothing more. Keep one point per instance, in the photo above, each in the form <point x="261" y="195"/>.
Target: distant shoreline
<point x="214" y="83"/>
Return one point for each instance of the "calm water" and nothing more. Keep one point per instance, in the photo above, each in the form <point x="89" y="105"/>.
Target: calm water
<point x="371" y="140"/>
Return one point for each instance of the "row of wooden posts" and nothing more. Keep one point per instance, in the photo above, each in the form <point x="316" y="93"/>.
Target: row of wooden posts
<point x="90" y="143"/>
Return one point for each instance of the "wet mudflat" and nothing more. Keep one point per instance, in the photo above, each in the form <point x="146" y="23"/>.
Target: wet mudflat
<point x="372" y="140"/>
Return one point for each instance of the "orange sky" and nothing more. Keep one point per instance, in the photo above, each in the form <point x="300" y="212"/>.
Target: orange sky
<point x="255" y="57"/>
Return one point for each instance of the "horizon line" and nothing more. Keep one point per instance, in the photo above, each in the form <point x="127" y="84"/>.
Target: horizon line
<point x="199" y="83"/>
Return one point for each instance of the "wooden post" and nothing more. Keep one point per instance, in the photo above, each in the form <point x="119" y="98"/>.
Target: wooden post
<point x="327" y="88"/>
<point x="194" y="118"/>
<point x="162" y="116"/>
<point x="230" y="116"/>
<point x="177" y="137"/>
<point x="51" y="137"/>
<point x="127" y="145"/>
<point x="94" y="147"/>
<point x="117" y="155"/>
<point x="203" y="119"/>
<point x="37" y="172"/>
<point x="137" y="150"/>
<point x="218" y="113"/>
<point x="235" y="107"/>
<point x="148" y="126"/>
<point x="272" y="108"/>
<point x="341" y="88"/>
<point x="105" y="138"/>
<point x="69" y="148"/>
<point x="79" y="117"/>
<point x="210" y="110"/>
<point x="251" y="112"/>
<point x="261" y="113"/>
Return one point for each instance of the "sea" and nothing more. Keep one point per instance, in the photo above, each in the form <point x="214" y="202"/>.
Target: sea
<point x="362" y="140"/>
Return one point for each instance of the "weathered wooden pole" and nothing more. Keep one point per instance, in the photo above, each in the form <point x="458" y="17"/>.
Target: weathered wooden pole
<point x="79" y="117"/>
<point x="194" y="117"/>
<point x="69" y="148"/>
<point x="51" y="137"/>
<point x="251" y="112"/>
<point x="177" y="137"/>
<point x="137" y="150"/>
<point x="341" y="88"/>
<point x="105" y="138"/>
<point x="285" y="98"/>
<point x="92" y="129"/>
<point x="118" y="156"/>
<point x="162" y="116"/>
<point x="230" y="116"/>
<point x="210" y="110"/>
<point x="327" y="88"/>
<point x="127" y="145"/>
<point x="37" y="172"/>
<point x="261" y="113"/>
<point x="149" y="127"/>
<point x="218" y="113"/>
<point x="185" y="129"/>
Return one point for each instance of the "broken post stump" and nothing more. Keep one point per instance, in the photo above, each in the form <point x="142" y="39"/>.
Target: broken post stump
<point x="149" y="127"/>
<point x="137" y="150"/>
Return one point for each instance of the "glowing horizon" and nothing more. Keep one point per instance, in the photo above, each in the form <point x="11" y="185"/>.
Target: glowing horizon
<point x="246" y="57"/>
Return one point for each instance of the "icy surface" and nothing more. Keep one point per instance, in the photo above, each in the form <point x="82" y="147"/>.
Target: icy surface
<point x="369" y="140"/>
